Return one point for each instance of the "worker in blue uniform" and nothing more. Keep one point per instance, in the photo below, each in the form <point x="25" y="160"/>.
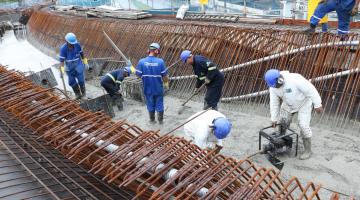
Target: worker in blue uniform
<point x="206" y="73"/>
<point x="154" y="76"/>
<point x="344" y="9"/>
<point x="111" y="83"/>
<point x="73" y="62"/>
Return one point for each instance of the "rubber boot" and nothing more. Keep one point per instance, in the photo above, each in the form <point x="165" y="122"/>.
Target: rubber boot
<point x="119" y="103"/>
<point x="83" y="91"/>
<point x="152" y="117"/>
<point x="160" y="117"/>
<point x="311" y="29"/>
<point x="76" y="90"/>
<point x="307" y="145"/>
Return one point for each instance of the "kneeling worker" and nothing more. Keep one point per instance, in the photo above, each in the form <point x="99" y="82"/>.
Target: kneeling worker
<point x="208" y="129"/>
<point x="111" y="83"/>
<point x="297" y="95"/>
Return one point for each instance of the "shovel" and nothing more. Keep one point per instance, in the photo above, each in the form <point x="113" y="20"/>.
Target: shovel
<point x="182" y="108"/>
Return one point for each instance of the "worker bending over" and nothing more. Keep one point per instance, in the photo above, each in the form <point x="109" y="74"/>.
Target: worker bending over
<point x="111" y="83"/>
<point x="72" y="57"/>
<point x="206" y="73"/>
<point x="208" y="129"/>
<point x="344" y="9"/>
<point x="153" y="72"/>
<point x="297" y="95"/>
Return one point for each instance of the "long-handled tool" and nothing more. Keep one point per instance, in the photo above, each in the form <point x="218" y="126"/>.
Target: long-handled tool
<point x="116" y="48"/>
<point x="182" y="108"/>
<point x="62" y="77"/>
<point x="172" y="65"/>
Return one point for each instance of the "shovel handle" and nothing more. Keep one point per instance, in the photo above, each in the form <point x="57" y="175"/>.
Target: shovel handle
<point x="200" y="88"/>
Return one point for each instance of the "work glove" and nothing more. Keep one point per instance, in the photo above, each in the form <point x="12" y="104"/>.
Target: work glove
<point x="166" y="85"/>
<point x="207" y="81"/>
<point x="354" y="11"/>
<point x="273" y="124"/>
<point x="319" y="109"/>
<point x="62" y="71"/>
<point x="87" y="66"/>
<point x="217" y="148"/>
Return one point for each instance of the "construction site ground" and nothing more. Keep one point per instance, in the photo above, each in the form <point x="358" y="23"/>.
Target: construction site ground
<point x="334" y="164"/>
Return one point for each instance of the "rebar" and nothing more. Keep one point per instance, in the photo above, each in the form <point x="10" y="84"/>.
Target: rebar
<point x="151" y="165"/>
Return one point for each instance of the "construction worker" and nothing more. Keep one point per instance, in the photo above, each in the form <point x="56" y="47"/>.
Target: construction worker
<point x="208" y="129"/>
<point x="344" y="9"/>
<point x="206" y="73"/>
<point x="111" y="83"/>
<point x="72" y="57"/>
<point x="297" y="95"/>
<point x="154" y="76"/>
<point x="312" y="4"/>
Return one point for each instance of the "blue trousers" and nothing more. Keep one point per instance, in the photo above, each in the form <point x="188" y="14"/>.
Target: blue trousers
<point x="76" y="75"/>
<point x="111" y="88"/>
<point x="154" y="103"/>
<point x="343" y="12"/>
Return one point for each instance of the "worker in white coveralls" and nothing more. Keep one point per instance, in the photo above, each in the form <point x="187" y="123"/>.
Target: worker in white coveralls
<point x="207" y="130"/>
<point x="297" y="95"/>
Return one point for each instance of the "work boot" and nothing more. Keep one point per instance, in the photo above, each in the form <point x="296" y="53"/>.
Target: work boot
<point x="311" y="29"/>
<point x="307" y="145"/>
<point x="160" y="117"/>
<point x="119" y="103"/>
<point x="152" y="117"/>
<point x="76" y="90"/>
<point x="83" y="91"/>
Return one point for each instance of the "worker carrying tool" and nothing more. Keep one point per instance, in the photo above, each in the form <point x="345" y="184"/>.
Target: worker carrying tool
<point x="344" y="9"/>
<point x="111" y="83"/>
<point x="154" y="76"/>
<point x="206" y="73"/>
<point x="208" y="130"/>
<point x="299" y="96"/>
<point x="73" y="59"/>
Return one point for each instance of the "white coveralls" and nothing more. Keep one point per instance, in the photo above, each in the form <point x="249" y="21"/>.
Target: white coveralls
<point x="298" y="95"/>
<point x="199" y="129"/>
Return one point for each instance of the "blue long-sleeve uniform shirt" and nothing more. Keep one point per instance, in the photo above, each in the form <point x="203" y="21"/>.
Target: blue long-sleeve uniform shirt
<point x="117" y="76"/>
<point x="151" y="69"/>
<point x="71" y="57"/>
<point x="205" y="68"/>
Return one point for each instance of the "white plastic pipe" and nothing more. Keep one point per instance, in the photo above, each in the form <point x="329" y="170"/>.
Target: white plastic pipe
<point x="277" y="55"/>
<point x="112" y="147"/>
<point x="264" y="92"/>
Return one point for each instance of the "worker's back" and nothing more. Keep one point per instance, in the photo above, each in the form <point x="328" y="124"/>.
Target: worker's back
<point x="199" y="128"/>
<point x="151" y="69"/>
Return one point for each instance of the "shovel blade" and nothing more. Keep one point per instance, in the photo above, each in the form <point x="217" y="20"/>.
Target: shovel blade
<point x="182" y="109"/>
<point x="275" y="161"/>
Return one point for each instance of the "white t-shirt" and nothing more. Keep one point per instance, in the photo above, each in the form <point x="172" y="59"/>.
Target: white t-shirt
<point x="199" y="129"/>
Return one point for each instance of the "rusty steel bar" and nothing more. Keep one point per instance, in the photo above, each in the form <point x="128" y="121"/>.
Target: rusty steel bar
<point x="152" y="166"/>
<point x="243" y="55"/>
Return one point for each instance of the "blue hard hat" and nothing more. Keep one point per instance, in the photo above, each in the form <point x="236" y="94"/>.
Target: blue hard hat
<point x="185" y="55"/>
<point x="271" y="77"/>
<point x="154" y="46"/>
<point x="222" y="127"/>
<point x="70" y="38"/>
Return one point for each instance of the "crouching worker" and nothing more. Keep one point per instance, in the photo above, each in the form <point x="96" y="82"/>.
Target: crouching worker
<point x="297" y="95"/>
<point x="208" y="129"/>
<point x="111" y="83"/>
